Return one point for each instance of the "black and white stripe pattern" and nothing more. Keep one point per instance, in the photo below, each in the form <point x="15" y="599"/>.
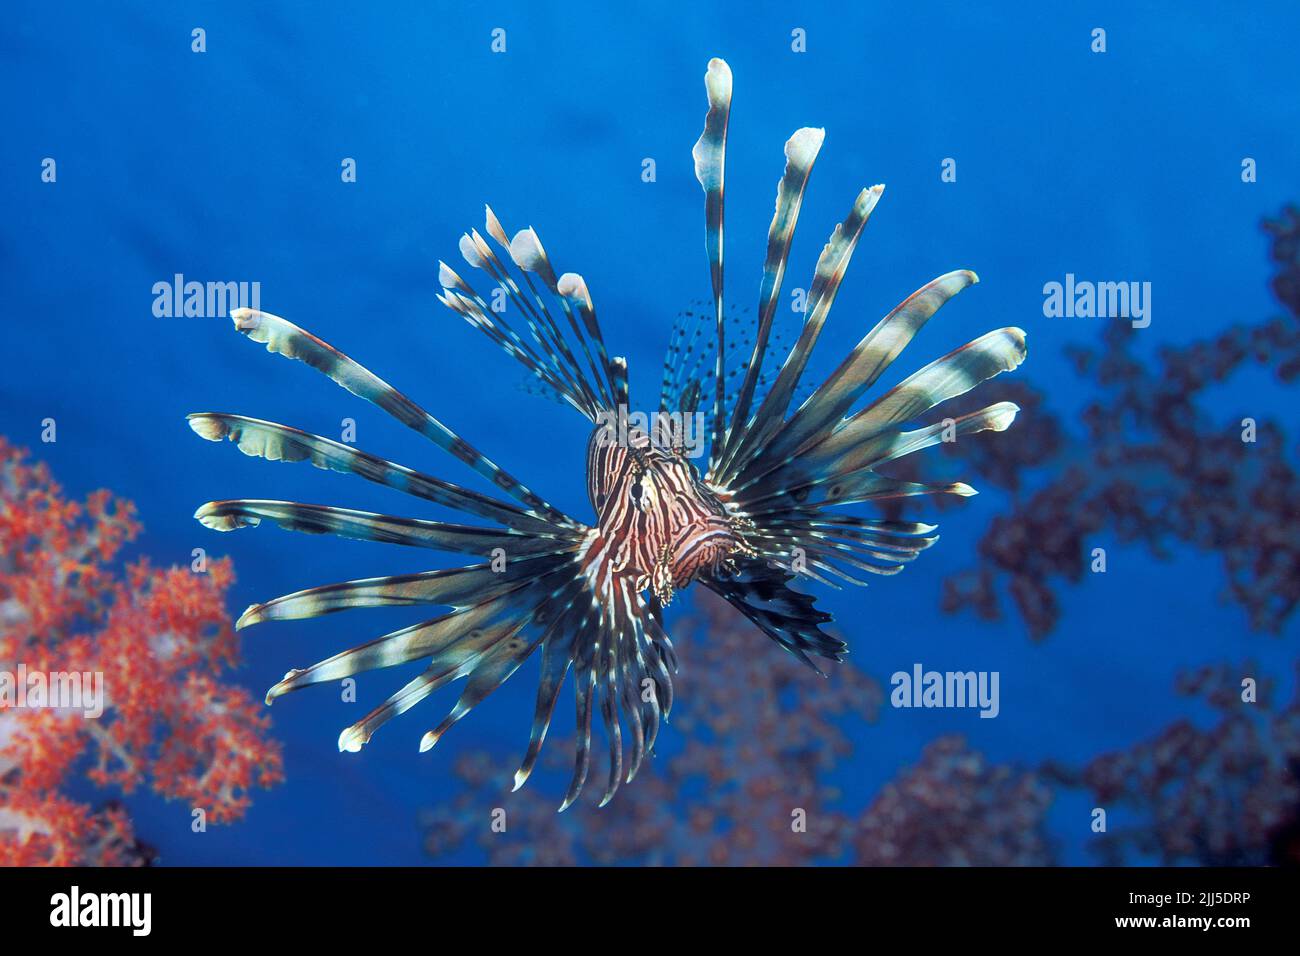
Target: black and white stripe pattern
<point x="550" y="357"/>
<point x="589" y="598"/>
<point x="284" y="338"/>
<point x="710" y="154"/>
<point x="831" y="266"/>
<point x="777" y="472"/>
<point x="800" y="154"/>
<point x="556" y="589"/>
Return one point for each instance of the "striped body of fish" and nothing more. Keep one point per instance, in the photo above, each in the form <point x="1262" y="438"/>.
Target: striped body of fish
<point x="589" y="599"/>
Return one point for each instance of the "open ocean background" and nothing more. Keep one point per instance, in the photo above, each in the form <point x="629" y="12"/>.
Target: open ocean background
<point x="225" y="166"/>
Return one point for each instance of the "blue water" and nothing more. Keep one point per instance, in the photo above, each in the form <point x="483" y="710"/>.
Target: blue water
<point x="225" y="165"/>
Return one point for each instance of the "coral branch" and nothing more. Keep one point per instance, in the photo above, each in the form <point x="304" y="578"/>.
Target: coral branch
<point x="157" y="637"/>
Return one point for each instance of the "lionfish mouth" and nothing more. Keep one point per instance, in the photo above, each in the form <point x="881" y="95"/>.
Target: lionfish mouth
<point x="589" y="597"/>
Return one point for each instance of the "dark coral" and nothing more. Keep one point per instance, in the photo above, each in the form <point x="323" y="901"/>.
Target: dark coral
<point x="1150" y="465"/>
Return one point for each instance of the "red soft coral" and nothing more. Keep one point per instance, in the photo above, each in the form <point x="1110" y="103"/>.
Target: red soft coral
<point x="159" y="637"/>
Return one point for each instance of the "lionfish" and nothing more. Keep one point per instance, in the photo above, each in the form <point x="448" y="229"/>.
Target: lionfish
<point x="591" y="596"/>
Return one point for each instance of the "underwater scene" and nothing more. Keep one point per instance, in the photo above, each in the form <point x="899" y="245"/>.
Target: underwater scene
<point x="649" y="434"/>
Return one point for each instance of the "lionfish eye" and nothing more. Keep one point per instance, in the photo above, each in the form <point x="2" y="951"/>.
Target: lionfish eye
<point x="636" y="494"/>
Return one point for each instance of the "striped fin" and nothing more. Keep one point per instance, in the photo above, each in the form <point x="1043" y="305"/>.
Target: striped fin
<point x="761" y="592"/>
<point x="459" y="296"/>
<point x="815" y="564"/>
<point x="650" y="663"/>
<point x="457" y="644"/>
<point x="863" y="437"/>
<point x="623" y="668"/>
<point x="831" y="266"/>
<point x="684" y="361"/>
<point x="871" y="437"/>
<point x="674" y="359"/>
<point x="543" y="597"/>
<point x="584" y="693"/>
<point x="954" y="374"/>
<point x="710" y="155"/>
<point x="367" y="526"/>
<point x="657" y="652"/>
<point x="618" y="379"/>
<point x="274" y="442"/>
<point x="888" y="446"/>
<point x="284" y="338"/>
<point x="479" y="255"/>
<point x="572" y="288"/>
<point x="498" y="665"/>
<point x="630" y="667"/>
<point x="689" y="374"/>
<point x="610" y="695"/>
<point x="689" y="363"/>
<point x="556" y="366"/>
<point x="452" y="587"/>
<point x="855" y="488"/>
<point x="461" y="299"/>
<point x="543" y="324"/>
<point x="479" y="656"/>
<point x="865" y="363"/>
<point x="543" y="314"/>
<point x="829" y="559"/>
<point x="904" y="537"/>
<point x="527" y="253"/>
<point x="800" y="153"/>
<point x="353" y="738"/>
<point x="873" y="559"/>
<point x="612" y="643"/>
<point x="495" y="325"/>
<point x="469" y="305"/>
<point x="566" y="391"/>
<point x="852" y="539"/>
<point x="434" y="638"/>
<point x="557" y="658"/>
<point x="797" y="546"/>
<point x="493" y="670"/>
